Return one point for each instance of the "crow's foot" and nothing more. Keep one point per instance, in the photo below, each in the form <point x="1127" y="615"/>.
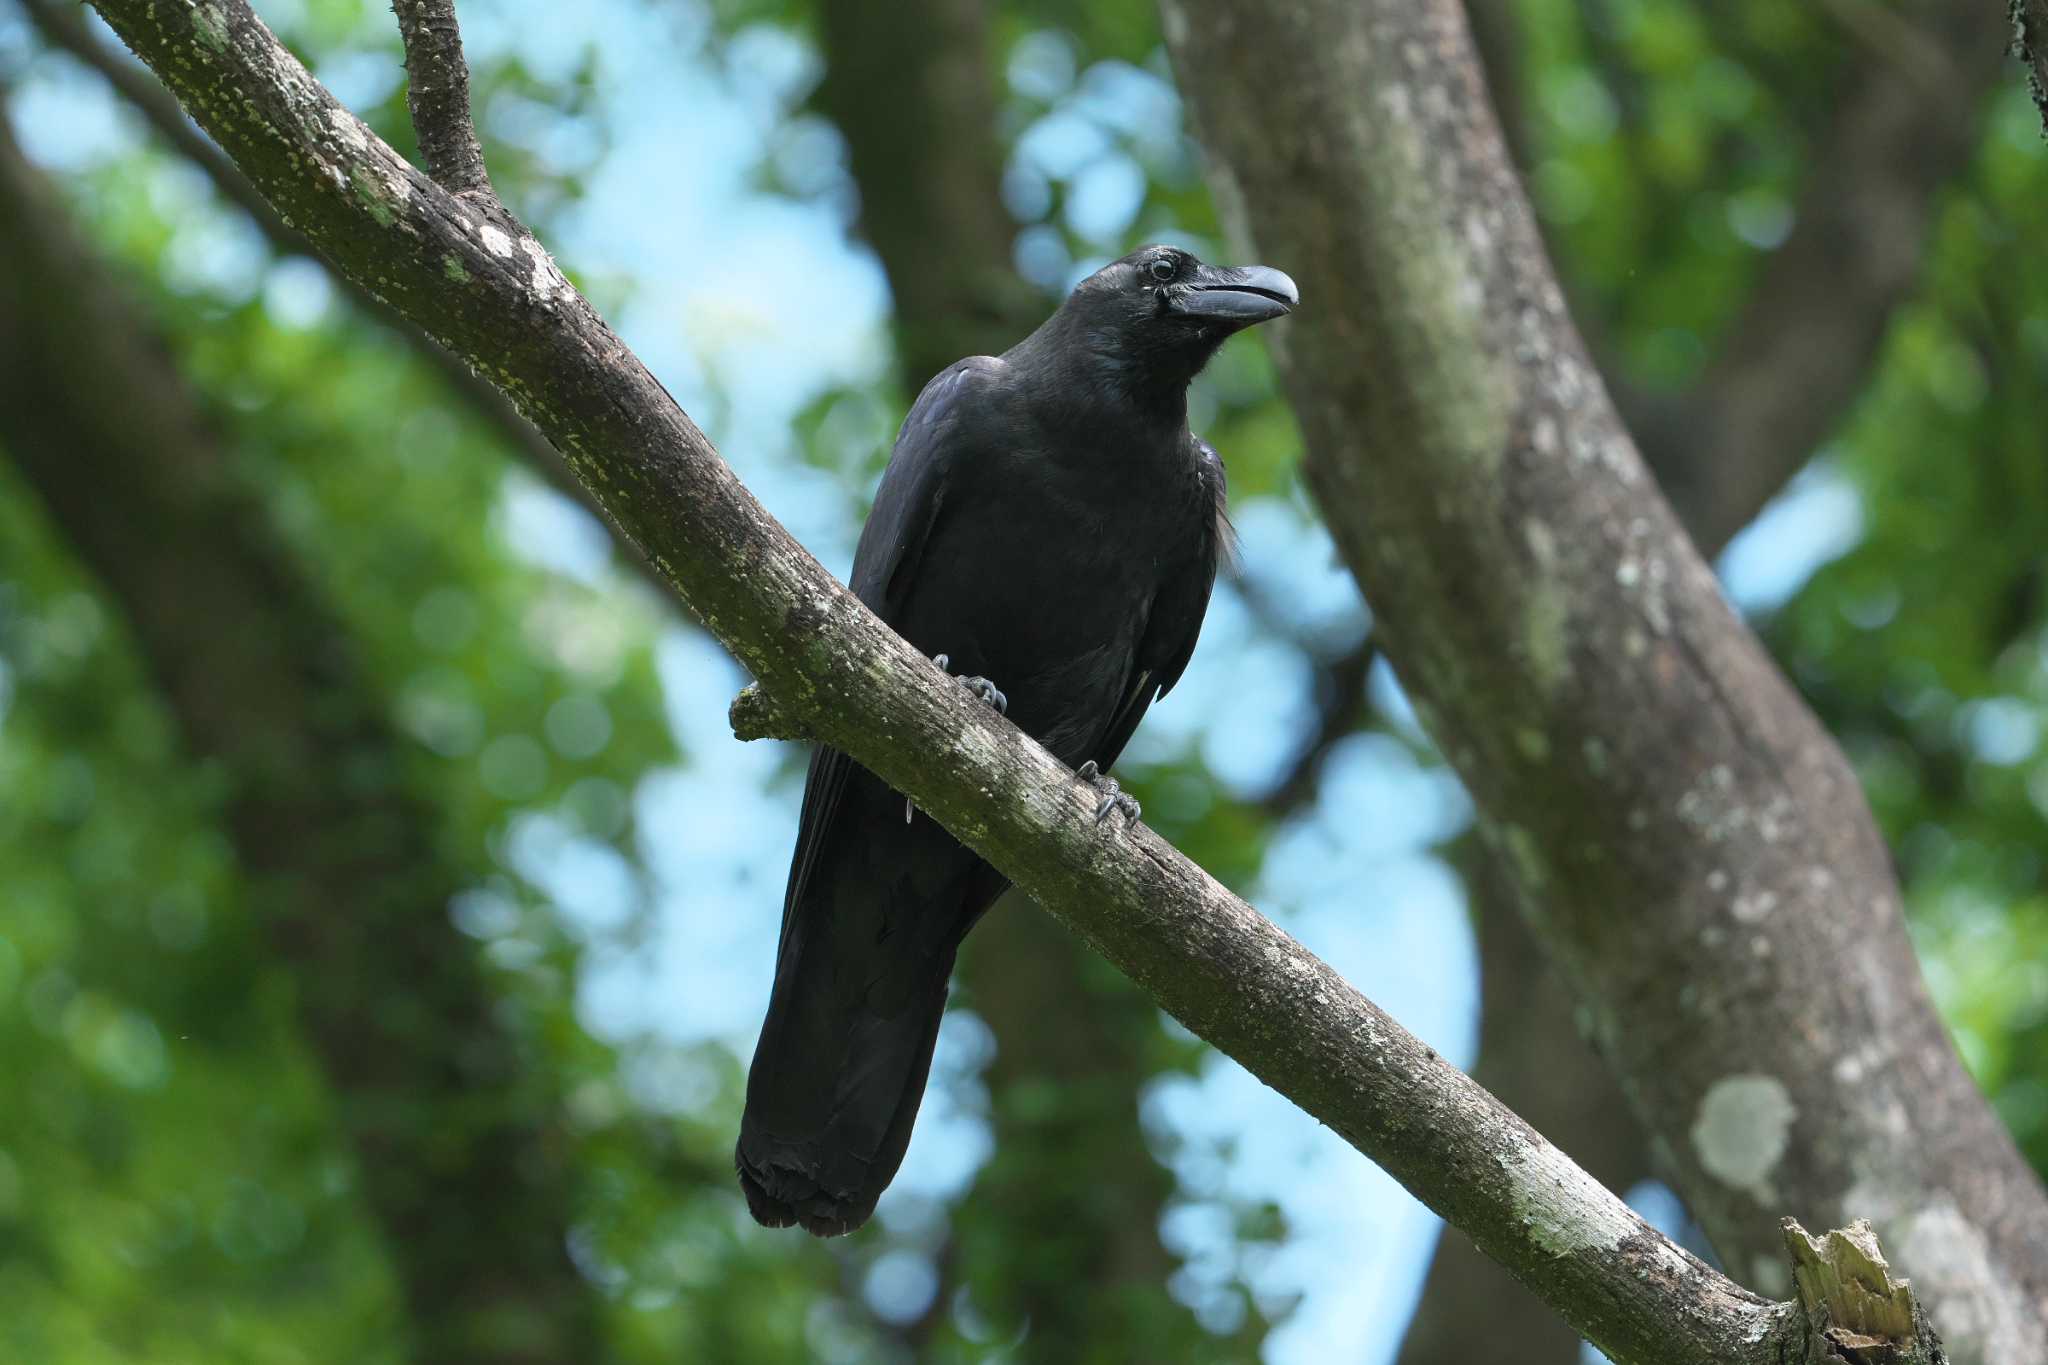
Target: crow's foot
<point x="990" y="695"/>
<point x="1114" y="797"/>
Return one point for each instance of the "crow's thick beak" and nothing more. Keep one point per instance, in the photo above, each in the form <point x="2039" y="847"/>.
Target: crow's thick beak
<point x="1243" y="294"/>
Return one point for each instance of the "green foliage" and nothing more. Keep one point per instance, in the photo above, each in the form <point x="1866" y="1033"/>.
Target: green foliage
<point x="172" y="1182"/>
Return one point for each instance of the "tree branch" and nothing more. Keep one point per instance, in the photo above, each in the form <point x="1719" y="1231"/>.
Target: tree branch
<point x="1633" y="747"/>
<point x="1205" y="955"/>
<point x="437" y="94"/>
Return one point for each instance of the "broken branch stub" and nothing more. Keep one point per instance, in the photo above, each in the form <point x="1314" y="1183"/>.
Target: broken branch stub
<point x="1857" y="1311"/>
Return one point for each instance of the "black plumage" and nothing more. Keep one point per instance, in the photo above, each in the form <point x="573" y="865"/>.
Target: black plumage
<point x="1049" y="523"/>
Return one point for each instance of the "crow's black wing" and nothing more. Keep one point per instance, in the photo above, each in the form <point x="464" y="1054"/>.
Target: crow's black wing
<point x="1175" y="620"/>
<point x="932" y="440"/>
<point x="935" y="438"/>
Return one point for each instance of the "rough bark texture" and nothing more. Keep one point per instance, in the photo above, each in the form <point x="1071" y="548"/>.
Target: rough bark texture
<point x="1683" y="833"/>
<point x="457" y="1144"/>
<point x="486" y="289"/>
<point x="437" y="94"/>
<point x="1792" y="362"/>
<point x="1063" y="1083"/>
<point x="2030" y="44"/>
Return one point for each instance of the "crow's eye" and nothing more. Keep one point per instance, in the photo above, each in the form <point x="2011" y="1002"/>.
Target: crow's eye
<point x="1162" y="269"/>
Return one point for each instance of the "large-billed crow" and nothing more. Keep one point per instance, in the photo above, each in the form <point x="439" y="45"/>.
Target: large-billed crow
<point x="1050" y="526"/>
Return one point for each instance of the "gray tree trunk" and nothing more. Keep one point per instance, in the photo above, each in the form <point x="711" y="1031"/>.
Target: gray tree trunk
<point x="1680" y="830"/>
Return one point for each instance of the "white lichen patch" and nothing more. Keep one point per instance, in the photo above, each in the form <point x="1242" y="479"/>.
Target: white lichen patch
<point x="547" y="281"/>
<point x="496" y="240"/>
<point x="1563" y="1209"/>
<point x="1742" y="1131"/>
<point x="1647" y="581"/>
<point x="348" y="129"/>
<point x="1775" y="820"/>
<point x="1753" y="906"/>
<point x="1854" y="1067"/>
<point x="1711" y="805"/>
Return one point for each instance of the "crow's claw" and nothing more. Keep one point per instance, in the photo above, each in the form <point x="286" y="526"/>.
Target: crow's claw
<point x="988" y="692"/>
<point x="1114" y="798"/>
<point x="982" y="688"/>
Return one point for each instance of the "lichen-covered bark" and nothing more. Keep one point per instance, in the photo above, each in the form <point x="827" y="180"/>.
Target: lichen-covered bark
<point x="458" y="1145"/>
<point x="483" y="287"/>
<point x="1795" y="356"/>
<point x="1681" y="830"/>
<point x="2030" y="45"/>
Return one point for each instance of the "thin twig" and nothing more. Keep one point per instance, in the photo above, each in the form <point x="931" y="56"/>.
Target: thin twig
<point x="437" y="93"/>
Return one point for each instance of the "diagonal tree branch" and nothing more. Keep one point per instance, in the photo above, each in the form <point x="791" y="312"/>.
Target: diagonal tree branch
<point x="1212" y="960"/>
<point x="1633" y="747"/>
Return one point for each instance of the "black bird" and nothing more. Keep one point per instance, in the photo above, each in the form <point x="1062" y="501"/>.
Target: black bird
<point x="1050" y="528"/>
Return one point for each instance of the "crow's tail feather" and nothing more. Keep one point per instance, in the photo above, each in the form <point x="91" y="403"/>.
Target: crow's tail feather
<point x="875" y="911"/>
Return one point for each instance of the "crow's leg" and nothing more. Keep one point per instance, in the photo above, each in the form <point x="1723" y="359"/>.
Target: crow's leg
<point x="1114" y="797"/>
<point x="988" y="692"/>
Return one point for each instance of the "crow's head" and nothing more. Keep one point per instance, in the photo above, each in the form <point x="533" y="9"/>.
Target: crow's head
<point x="1157" y="315"/>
